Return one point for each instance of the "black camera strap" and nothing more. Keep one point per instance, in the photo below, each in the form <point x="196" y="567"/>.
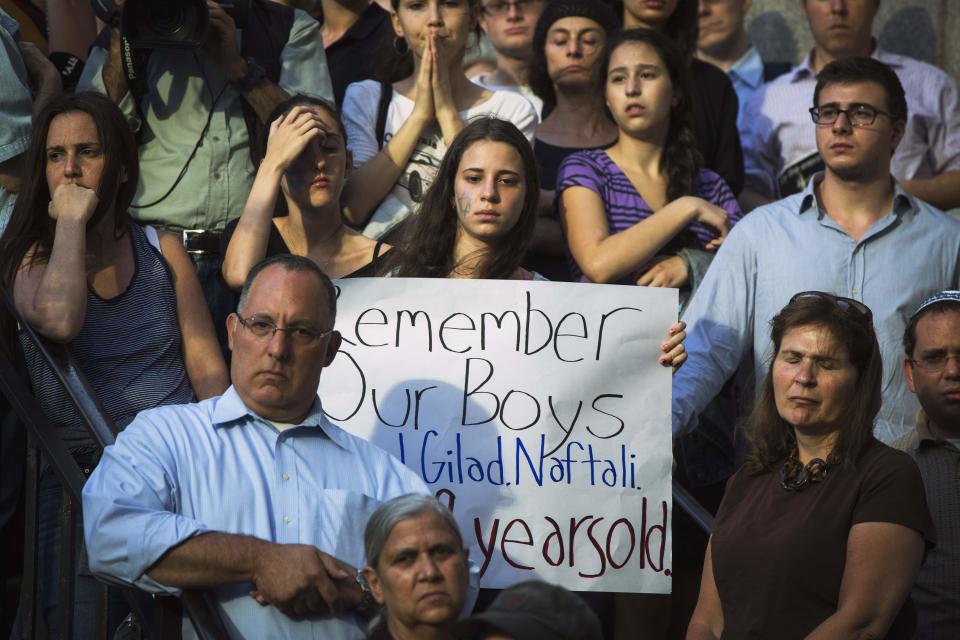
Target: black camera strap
<point x="135" y="70"/>
<point x="268" y="30"/>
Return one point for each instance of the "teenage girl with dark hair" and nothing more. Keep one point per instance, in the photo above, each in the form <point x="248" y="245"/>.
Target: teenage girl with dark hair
<point x="399" y="130"/>
<point x="477" y="219"/>
<point x="646" y="197"/>
<point x="714" y="99"/>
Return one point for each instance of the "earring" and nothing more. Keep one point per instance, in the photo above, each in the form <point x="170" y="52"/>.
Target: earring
<point x="400" y="46"/>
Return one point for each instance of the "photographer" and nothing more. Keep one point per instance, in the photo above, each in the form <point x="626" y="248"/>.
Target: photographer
<point x="199" y="108"/>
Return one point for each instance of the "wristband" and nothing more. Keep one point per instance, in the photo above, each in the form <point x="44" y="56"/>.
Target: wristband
<point x="255" y="73"/>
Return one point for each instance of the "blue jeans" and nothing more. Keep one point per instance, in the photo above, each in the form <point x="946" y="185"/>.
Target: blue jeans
<point x="86" y="588"/>
<point x="221" y="301"/>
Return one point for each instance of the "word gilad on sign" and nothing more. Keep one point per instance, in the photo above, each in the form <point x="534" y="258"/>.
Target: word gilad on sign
<point x="537" y="410"/>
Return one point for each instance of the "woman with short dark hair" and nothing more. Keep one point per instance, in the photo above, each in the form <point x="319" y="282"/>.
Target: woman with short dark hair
<point x="837" y="521"/>
<point x="568" y="53"/>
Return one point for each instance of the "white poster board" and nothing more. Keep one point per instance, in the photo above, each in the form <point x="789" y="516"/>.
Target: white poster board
<point x="538" y="409"/>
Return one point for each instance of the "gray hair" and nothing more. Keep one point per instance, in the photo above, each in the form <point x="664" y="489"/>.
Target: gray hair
<point x="394" y="511"/>
<point x="294" y="264"/>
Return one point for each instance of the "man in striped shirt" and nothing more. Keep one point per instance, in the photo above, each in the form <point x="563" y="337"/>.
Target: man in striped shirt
<point x="932" y="366"/>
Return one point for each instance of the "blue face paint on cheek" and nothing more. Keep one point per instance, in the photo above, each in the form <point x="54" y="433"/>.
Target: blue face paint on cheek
<point x="464" y="203"/>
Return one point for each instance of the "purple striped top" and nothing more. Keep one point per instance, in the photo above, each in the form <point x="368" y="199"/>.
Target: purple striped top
<point x="625" y="207"/>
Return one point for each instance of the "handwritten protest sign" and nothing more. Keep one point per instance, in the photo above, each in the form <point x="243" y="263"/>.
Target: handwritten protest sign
<point x="537" y="409"/>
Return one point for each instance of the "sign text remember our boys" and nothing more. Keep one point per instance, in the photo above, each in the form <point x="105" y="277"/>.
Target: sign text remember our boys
<point x="537" y="410"/>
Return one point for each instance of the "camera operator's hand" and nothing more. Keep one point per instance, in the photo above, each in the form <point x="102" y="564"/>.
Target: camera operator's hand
<point x="221" y="43"/>
<point x="44" y="78"/>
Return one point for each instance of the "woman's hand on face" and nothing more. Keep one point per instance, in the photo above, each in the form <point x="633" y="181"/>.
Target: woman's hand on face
<point x="289" y="136"/>
<point x="73" y="202"/>
<point x="423" y="105"/>
<point x="674" y="353"/>
<point x="664" y="271"/>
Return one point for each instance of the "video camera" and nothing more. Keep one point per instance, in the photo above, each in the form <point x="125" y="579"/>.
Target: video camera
<point x="167" y="24"/>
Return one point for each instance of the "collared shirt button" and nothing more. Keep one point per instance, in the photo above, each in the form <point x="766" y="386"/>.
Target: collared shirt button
<point x="286" y="519"/>
<point x="216" y="138"/>
<point x="853" y="291"/>
<point x="216" y="176"/>
<point x="285" y="477"/>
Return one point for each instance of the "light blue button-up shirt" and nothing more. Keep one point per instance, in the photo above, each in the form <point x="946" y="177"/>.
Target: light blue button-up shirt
<point x="16" y="105"/>
<point x="182" y="470"/>
<point x="792" y="245"/>
<point x="746" y="74"/>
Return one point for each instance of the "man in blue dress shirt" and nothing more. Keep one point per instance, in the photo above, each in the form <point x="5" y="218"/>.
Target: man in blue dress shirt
<point x="853" y="232"/>
<point x="254" y="494"/>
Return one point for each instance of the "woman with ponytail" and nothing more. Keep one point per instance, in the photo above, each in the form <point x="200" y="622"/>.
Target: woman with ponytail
<point x="632" y="210"/>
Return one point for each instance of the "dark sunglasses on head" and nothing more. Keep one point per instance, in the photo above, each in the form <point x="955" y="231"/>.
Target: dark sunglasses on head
<point x="845" y="304"/>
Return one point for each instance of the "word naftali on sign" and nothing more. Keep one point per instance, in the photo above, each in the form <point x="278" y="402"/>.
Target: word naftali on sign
<point x="537" y="410"/>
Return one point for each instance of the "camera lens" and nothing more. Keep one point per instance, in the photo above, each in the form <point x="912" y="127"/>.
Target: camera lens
<point x="167" y="19"/>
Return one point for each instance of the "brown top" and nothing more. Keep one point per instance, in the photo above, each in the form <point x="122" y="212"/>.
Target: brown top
<point x="778" y="557"/>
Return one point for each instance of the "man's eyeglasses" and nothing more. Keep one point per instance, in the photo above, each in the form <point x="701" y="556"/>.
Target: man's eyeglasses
<point x="845" y="304"/>
<point x="265" y="328"/>
<point x="502" y="7"/>
<point x="859" y="115"/>
<point x="935" y="362"/>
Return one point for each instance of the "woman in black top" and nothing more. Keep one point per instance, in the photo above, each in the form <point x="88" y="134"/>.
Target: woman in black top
<point x="568" y="49"/>
<point x="306" y="160"/>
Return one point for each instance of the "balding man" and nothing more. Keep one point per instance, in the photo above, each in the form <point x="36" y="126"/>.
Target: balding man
<point x="254" y="494"/>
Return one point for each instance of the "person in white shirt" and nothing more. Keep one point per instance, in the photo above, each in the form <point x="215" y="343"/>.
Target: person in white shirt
<point x="398" y="131"/>
<point x="509" y="26"/>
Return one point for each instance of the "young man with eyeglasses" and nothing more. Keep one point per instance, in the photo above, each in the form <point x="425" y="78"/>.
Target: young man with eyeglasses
<point x="779" y="155"/>
<point x="255" y="494"/>
<point x="509" y="25"/>
<point x="931" y="343"/>
<point x="853" y="231"/>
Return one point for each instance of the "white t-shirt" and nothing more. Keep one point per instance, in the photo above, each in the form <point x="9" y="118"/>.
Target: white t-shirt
<point x="360" y="119"/>
<point x="523" y="90"/>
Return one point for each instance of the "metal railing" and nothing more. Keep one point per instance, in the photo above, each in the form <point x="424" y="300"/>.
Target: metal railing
<point x="159" y="617"/>
<point x="697" y="512"/>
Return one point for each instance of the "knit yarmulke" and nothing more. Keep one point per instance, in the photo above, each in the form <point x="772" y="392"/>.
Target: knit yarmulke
<point x="943" y="296"/>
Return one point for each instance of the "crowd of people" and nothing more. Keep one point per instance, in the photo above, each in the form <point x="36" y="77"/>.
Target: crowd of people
<point x="174" y="216"/>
